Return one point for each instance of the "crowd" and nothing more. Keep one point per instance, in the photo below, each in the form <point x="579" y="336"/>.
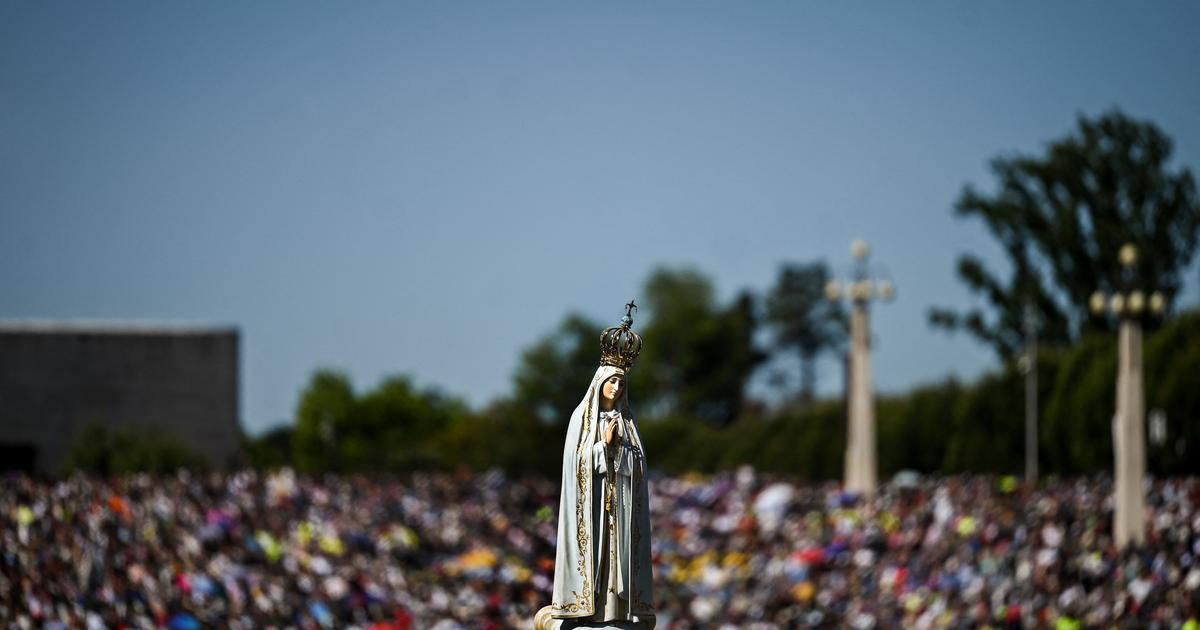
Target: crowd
<point x="445" y="551"/>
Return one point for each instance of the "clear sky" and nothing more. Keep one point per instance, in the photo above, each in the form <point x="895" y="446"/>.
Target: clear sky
<point x="427" y="188"/>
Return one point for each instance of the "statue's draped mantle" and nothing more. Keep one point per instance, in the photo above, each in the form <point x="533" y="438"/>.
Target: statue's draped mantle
<point x="579" y="511"/>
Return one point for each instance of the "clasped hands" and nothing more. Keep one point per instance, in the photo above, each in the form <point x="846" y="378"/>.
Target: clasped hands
<point x="610" y="436"/>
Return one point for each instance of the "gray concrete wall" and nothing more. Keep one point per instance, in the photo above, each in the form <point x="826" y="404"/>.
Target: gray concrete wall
<point x="56" y="379"/>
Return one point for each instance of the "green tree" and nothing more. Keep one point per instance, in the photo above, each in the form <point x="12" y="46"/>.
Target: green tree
<point x="394" y="426"/>
<point x="679" y="303"/>
<point x="698" y="355"/>
<point x="323" y="416"/>
<point x="809" y="444"/>
<point x="987" y="431"/>
<point x="915" y="429"/>
<point x="1062" y="217"/>
<point x="1081" y="403"/>
<point x="500" y="437"/>
<point x="718" y="392"/>
<point x="803" y="320"/>
<point x="552" y="373"/>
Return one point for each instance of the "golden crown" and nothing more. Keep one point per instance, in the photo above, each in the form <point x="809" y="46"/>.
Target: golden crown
<point x="619" y="345"/>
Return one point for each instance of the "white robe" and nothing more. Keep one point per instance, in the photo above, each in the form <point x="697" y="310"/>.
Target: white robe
<point x="616" y="464"/>
<point x="603" y="568"/>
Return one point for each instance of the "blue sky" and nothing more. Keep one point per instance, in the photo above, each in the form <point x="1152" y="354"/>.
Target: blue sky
<point x="427" y="188"/>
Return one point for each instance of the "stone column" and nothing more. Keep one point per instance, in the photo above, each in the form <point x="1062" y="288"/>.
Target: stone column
<point x="860" y="434"/>
<point x="1129" y="439"/>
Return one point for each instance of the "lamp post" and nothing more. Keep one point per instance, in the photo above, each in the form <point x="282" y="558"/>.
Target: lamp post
<point x="1129" y="303"/>
<point x="861" y="473"/>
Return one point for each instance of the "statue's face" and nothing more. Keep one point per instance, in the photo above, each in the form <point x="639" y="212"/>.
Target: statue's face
<point x="611" y="390"/>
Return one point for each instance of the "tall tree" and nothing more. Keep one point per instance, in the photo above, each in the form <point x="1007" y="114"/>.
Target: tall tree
<point x="324" y="414"/>
<point x="394" y="423"/>
<point x="391" y="427"/>
<point x="552" y="373"/>
<point x="803" y="320"/>
<point x="699" y="355"/>
<point x="1062" y="217"/>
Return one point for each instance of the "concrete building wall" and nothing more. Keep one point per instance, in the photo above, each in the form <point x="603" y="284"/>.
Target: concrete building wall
<point x="57" y="379"/>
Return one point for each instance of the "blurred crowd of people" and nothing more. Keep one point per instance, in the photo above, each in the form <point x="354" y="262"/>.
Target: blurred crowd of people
<point x="446" y="551"/>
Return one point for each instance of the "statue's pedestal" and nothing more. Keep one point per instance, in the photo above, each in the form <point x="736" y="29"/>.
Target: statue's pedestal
<point x="543" y="621"/>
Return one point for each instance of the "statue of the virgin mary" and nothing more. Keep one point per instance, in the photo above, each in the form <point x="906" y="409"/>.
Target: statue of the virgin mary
<point x="602" y="573"/>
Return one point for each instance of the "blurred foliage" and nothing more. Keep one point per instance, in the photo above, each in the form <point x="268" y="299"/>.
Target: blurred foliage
<point x="1061" y="219"/>
<point x="698" y="365"/>
<point x="703" y="353"/>
<point x="272" y="449"/>
<point x="946" y="427"/>
<point x="987" y="427"/>
<point x="1077" y="417"/>
<point x="102" y="451"/>
<point x="389" y="428"/>
<point x="803" y="320"/>
<point x="552" y="374"/>
<point x="915" y="429"/>
<point x="326" y="405"/>
<point x="807" y="445"/>
<point x="504" y="436"/>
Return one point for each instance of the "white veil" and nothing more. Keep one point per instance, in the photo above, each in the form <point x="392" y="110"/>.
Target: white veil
<point x="574" y="566"/>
